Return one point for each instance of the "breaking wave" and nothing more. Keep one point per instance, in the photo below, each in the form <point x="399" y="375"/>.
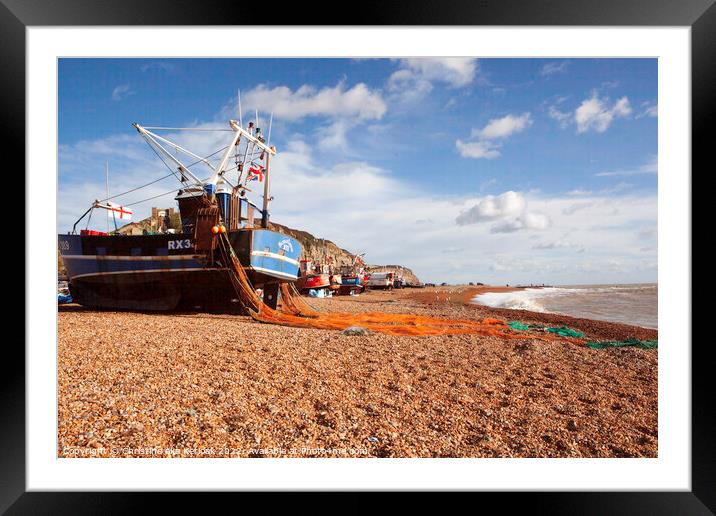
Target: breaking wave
<point x="527" y="299"/>
<point x="631" y="304"/>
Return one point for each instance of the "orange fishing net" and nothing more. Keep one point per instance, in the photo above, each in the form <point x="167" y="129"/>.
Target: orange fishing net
<point x="296" y="312"/>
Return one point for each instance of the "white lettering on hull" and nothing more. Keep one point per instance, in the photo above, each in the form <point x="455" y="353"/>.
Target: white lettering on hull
<point x="179" y="244"/>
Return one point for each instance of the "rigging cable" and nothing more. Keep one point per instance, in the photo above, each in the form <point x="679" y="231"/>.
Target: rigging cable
<point x="165" y="163"/>
<point x="207" y="157"/>
<point x="150" y="198"/>
<point x="173" y="173"/>
<point x="138" y="188"/>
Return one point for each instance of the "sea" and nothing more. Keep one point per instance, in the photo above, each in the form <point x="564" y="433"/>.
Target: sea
<point x="635" y="304"/>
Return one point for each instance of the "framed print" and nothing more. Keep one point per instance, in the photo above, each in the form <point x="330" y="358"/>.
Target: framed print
<point x="414" y="250"/>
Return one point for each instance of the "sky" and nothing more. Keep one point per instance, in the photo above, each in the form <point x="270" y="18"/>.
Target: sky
<point x="500" y="171"/>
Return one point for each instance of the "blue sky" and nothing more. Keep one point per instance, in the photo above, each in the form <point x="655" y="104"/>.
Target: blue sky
<point x="494" y="170"/>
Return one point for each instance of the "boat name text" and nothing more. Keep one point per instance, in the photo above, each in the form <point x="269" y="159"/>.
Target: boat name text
<point x="179" y="244"/>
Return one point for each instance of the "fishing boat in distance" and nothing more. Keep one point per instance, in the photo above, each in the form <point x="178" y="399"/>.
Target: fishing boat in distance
<point x="183" y="270"/>
<point x="353" y="277"/>
<point x="312" y="277"/>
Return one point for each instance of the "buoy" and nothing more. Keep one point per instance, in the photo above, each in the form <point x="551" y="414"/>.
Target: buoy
<point x="222" y="228"/>
<point x="215" y="229"/>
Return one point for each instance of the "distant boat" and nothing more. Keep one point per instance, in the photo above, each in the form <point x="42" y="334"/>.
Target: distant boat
<point x="311" y="277"/>
<point x="381" y="280"/>
<point x="352" y="277"/>
<point x="313" y="281"/>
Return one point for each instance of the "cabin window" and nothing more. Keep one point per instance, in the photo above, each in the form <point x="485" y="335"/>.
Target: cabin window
<point x="101" y="251"/>
<point x="136" y="251"/>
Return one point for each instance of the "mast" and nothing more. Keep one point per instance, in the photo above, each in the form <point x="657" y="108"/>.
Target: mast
<point x="241" y="123"/>
<point x="267" y="190"/>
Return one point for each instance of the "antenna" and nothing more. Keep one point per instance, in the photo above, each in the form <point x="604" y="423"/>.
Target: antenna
<point x="257" y="119"/>
<point x="240" y="121"/>
<point x="106" y="184"/>
<point x="268" y="139"/>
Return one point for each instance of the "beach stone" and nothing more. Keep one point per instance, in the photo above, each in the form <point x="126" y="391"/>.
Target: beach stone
<point x="355" y="330"/>
<point x="302" y="372"/>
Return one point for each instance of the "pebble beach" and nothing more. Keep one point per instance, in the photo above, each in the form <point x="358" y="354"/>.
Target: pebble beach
<point x="222" y="385"/>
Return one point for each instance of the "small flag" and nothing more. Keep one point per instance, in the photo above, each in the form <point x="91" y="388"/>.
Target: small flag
<point x="117" y="211"/>
<point x="256" y="172"/>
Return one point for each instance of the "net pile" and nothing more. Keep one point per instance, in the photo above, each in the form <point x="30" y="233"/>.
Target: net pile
<point x="297" y="313"/>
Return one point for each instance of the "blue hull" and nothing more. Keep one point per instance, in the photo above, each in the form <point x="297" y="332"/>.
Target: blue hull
<point x="163" y="272"/>
<point x="275" y="254"/>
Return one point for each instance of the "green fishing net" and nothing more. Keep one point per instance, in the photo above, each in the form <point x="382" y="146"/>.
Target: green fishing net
<point x="647" y="344"/>
<point x="562" y="331"/>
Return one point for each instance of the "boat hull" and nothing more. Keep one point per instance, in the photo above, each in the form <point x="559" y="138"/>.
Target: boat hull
<point x="313" y="281"/>
<point x="164" y="272"/>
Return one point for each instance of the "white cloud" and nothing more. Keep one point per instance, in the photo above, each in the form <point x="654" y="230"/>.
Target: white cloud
<point x="554" y="67"/>
<point x="563" y="118"/>
<point x="358" y="102"/>
<point x="455" y="71"/>
<point x="649" y="109"/>
<point x="650" y="167"/>
<point x="493" y="207"/>
<point x="593" y="114"/>
<point x="503" y="127"/>
<point x="648" y="233"/>
<point x="596" y="114"/>
<point x="478" y="149"/>
<point x="510" y="208"/>
<point x="527" y="220"/>
<point x="555" y="244"/>
<point x="496" y="129"/>
<point x="408" y="86"/>
<point x="576" y="207"/>
<point x="415" y="77"/>
<point x="121" y="92"/>
<point x="333" y="137"/>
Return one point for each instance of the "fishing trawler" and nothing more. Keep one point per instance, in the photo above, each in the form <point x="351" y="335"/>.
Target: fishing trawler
<point x="184" y="270"/>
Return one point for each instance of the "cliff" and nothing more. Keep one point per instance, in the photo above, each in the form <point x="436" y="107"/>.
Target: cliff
<point x="325" y="251"/>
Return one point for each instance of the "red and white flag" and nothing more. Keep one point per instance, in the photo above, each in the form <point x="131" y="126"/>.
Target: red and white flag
<point x="118" y="212"/>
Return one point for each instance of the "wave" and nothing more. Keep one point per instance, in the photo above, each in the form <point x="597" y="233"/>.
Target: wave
<point x="631" y="304"/>
<point x="527" y="299"/>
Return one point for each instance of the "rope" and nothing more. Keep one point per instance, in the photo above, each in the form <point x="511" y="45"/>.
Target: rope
<point x="162" y="160"/>
<point x="150" y="198"/>
<point x="137" y="188"/>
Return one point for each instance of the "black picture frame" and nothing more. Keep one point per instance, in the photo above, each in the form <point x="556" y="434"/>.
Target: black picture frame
<point x="700" y="15"/>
